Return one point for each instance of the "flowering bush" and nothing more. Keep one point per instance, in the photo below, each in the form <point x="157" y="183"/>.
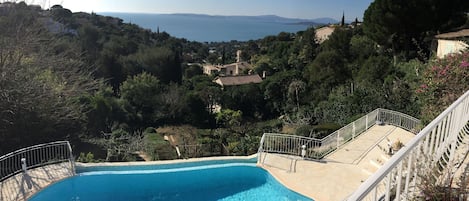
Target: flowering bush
<point x="443" y="81"/>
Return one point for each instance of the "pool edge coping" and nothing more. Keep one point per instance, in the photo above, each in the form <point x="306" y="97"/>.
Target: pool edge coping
<point x="163" y="162"/>
<point x="281" y="181"/>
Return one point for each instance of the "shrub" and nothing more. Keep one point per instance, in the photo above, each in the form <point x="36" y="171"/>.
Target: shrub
<point x="86" y="158"/>
<point x="304" y="130"/>
<point x="443" y="82"/>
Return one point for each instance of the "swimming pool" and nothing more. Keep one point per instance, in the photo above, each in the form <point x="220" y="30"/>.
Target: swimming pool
<point x="225" y="181"/>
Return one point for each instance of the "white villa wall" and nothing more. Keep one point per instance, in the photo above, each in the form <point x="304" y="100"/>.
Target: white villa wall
<point x="446" y="47"/>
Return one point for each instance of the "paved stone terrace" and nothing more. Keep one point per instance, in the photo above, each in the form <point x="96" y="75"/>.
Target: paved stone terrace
<point x="23" y="185"/>
<point x="337" y="176"/>
<point x="341" y="172"/>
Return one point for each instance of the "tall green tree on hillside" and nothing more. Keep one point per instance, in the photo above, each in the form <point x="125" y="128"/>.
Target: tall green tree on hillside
<point x="275" y="89"/>
<point x="246" y="98"/>
<point x="142" y="101"/>
<point x="161" y="62"/>
<point x="303" y="49"/>
<point x="339" y="41"/>
<point x="325" y="72"/>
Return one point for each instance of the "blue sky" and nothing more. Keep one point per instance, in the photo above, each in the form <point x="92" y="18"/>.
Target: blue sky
<point x="306" y="9"/>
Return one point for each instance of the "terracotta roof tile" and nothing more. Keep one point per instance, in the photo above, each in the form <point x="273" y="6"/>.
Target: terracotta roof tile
<point x="457" y="34"/>
<point x="238" y="80"/>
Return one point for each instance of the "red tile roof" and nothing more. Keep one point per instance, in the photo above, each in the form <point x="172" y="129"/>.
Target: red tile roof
<point x="457" y="34"/>
<point x="238" y="80"/>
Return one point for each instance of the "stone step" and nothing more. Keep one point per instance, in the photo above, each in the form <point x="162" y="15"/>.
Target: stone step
<point x="375" y="164"/>
<point x="385" y="158"/>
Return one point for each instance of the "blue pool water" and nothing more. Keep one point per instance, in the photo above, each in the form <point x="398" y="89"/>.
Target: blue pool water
<point x="228" y="181"/>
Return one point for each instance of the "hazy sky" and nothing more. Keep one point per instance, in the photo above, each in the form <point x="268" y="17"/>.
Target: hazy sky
<point x="307" y="9"/>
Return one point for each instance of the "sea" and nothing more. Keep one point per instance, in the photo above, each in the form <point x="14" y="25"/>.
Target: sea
<point x="206" y="28"/>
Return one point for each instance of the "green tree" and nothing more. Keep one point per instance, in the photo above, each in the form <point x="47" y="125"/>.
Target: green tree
<point x="303" y="49"/>
<point x="294" y="89"/>
<point x="362" y="47"/>
<point x="208" y="91"/>
<point x="40" y="88"/>
<point x="231" y="120"/>
<point x="327" y="71"/>
<point x="197" y="113"/>
<point x="343" y="104"/>
<point x="403" y="25"/>
<point x="173" y="100"/>
<point x="246" y="98"/>
<point x="275" y="90"/>
<point x="104" y="111"/>
<point x="374" y="69"/>
<point x="192" y="70"/>
<point x="142" y="101"/>
<point x="161" y="62"/>
<point x="339" y="41"/>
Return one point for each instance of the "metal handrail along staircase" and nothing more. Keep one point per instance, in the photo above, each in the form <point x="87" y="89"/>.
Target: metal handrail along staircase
<point x="316" y="149"/>
<point x="435" y="149"/>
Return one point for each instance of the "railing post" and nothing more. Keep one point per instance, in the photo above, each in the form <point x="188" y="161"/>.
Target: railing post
<point x="388" y="187"/>
<point x="366" y="122"/>
<point x="72" y="160"/>
<point x="23" y="164"/>
<point x="338" y="139"/>
<point x="375" y="193"/>
<point x="400" y="121"/>
<point x="303" y="151"/>
<point x="399" y="181"/>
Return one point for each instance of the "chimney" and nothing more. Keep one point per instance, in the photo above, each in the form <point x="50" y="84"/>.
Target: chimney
<point x="238" y="56"/>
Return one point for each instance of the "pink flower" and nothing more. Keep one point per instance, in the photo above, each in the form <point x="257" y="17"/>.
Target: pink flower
<point x="424" y="86"/>
<point x="464" y="64"/>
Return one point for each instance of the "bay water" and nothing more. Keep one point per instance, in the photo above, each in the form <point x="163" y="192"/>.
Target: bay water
<point x="205" y="28"/>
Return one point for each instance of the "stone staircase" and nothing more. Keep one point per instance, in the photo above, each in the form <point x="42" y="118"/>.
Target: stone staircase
<point x="374" y="164"/>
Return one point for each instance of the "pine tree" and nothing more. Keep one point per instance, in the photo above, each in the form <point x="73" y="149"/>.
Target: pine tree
<point x="342" y="23"/>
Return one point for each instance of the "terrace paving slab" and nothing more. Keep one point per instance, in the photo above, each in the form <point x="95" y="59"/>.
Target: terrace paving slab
<point x="331" y="179"/>
<point x="339" y="173"/>
<point x="23" y="185"/>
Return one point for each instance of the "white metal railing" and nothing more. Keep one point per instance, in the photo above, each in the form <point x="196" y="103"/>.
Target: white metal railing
<point x="314" y="148"/>
<point x="35" y="156"/>
<point x="433" y="149"/>
<point x="400" y="120"/>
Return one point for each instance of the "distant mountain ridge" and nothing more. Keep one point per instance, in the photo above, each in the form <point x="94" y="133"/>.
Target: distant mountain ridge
<point x="268" y="18"/>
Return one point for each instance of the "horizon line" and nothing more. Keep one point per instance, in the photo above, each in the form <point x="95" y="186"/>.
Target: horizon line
<point x="214" y="15"/>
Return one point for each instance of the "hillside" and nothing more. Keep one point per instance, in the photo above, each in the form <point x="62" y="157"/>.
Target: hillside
<point x="107" y="85"/>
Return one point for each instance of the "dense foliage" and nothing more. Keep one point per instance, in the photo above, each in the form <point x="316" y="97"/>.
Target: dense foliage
<point x="442" y="83"/>
<point x="407" y="26"/>
<point x="103" y="83"/>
